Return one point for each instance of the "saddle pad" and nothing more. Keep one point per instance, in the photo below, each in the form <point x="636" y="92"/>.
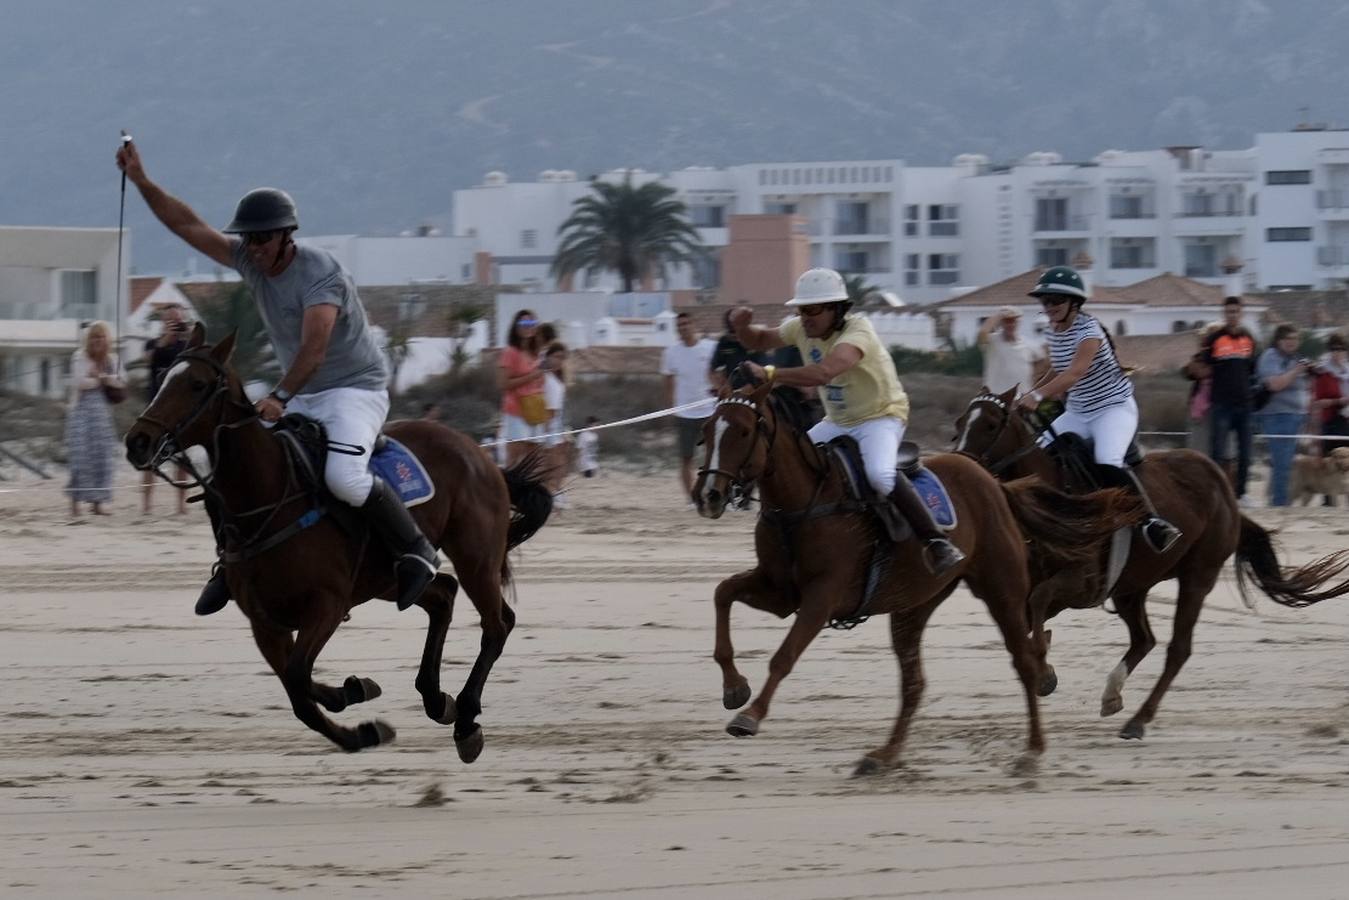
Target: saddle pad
<point x="397" y="465"/>
<point x="934" y="494"/>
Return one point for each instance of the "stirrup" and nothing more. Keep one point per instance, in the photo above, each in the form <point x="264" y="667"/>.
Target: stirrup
<point x="940" y="555"/>
<point x="1160" y="534"/>
<point x="215" y="595"/>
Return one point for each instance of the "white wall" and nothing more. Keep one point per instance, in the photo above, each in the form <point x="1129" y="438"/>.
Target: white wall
<point x="380" y="261"/>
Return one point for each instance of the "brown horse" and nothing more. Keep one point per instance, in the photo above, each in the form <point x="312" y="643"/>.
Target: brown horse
<point x="814" y="548"/>
<point x="1192" y="493"/>
<point x="308" y="582"/>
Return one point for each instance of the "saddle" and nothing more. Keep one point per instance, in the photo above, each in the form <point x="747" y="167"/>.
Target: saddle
<point x="845" y="451"/>
<point x="306" y="443"/>
<point x="1076" y="458"/>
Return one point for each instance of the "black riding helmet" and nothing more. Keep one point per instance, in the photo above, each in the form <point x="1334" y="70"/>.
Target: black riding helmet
<point x="263" y="209"/>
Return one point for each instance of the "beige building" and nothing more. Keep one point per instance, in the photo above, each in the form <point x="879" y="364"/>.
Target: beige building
<point x="763" y="258"/>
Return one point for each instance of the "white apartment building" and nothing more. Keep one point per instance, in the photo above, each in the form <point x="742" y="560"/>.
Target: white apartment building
<point x="1280" y="209"/>
<point x="52" y="282"/>
<point x="406" y="259"/>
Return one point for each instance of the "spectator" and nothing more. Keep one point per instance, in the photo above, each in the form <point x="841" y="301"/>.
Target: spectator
<point x="727" y="357"/>
<point x="90" y="436"/>
<point x="685" y="365"/>
<point x="158" y="357"/>
<point x="588" y="442"/>
<point x="1009" y="359"/>
<point x="1230" y="355"/>
<point x="523" y="412"/>
<point x="1200" y="375"/>
<point x="558" y="449"/>
<point x="1285" y="374"/>
<point x="1330" y="396"/>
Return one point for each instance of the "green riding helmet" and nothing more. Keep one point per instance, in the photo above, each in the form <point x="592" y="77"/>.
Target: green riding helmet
<point x="263" y="209"/>
<point x="1060" y="280"/>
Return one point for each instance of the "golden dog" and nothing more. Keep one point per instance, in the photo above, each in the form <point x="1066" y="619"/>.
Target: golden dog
<point x="1313" y="476"/>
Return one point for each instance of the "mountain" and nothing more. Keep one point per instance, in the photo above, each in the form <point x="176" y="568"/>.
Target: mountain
<point x="371" y="114"/>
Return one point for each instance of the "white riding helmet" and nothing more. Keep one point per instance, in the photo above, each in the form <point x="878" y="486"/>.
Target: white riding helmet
<point x="819" y="286"/>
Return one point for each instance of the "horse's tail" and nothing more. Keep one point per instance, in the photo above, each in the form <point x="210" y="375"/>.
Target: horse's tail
<point x="1257" y="560"/>
<point x="1068" y="529"/>
<point x="531" y="502"/>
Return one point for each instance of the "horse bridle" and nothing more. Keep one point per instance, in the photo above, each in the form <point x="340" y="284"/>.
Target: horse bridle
<point x="997" y="466"/>
<point x="738" y="479"/>
<point x="171" y="444"/>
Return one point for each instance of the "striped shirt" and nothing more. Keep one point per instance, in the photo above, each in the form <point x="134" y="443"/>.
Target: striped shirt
<point x="1105" y="384"/>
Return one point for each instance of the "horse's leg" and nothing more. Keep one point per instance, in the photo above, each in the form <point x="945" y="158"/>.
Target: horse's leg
<point x="810" y="618"/>
<point x="1132" y="608"/>
<point x="483" y="587"/>
<point x="276" y="647"/>
<point x="755" y="590"/>
<point x="297" y="677"/>
<point x="1189" y="601"/>
<point x="438" y="601"/>
<point x="1037" y="608"/>
<point x="1008" y="608"/>
<point x="906" y="635"/>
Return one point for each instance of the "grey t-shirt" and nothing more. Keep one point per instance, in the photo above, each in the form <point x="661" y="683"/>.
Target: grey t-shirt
<point x="314" y="278"/>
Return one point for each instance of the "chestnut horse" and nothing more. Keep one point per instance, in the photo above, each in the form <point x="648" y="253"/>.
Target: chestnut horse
<point x="814" y="547"/>
<point x="1192" y="493"/>
<point x="308" y="582"/>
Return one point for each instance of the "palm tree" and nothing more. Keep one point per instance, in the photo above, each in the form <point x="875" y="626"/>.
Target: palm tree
<point x="234" y="310"/>
<point x="858" y="289"/>
<point x="634" y="231"/>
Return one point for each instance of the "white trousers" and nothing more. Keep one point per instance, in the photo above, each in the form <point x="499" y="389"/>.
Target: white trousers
<point x="352" y="416"/>
<point x="1111" y="428"/>
<point x="878" y="439"/>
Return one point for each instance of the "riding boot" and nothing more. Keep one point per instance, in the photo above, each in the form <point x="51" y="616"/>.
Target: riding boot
<point x="416" y="561"/>
<point x="1159" y="533"/>
<point x="939" y="554"/>
<point x="216" y="593"/>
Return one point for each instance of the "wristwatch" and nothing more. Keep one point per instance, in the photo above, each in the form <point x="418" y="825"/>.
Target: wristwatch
<point x="281" y="395"/>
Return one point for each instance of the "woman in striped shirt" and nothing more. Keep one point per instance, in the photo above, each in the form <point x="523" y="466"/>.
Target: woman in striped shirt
<point x="1098" y="397"/>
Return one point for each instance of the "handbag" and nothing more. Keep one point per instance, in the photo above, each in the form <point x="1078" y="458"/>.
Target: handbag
<point x="114" y="394"/>
<point x="533" y="410"/>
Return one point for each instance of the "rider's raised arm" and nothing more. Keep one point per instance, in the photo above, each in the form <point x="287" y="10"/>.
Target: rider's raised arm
<point x="176" y="215"/>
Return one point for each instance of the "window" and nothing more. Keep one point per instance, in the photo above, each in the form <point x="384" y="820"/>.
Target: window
<point x="1180" y="326"/>
<point x="913" y="263"/>
<point x="1121" y="328"/>
<point x="911" y="214"/>
<point x="529" y="238"/>
<point x="780" y="209"/>
<point x="410" y="306"/>
<point x="1124" y="206"/>
<point x="708" y="216"/>
<point x="943" y="268"/>
<point x="465" y="272"/>
<point x="1201" y="261"/>
<point x="853" y="218"/>
<point x="79" y="294"/>
<point x="1048" y="257"/>
<point x="1274" y="235"/>
<point x="942" y="220"/>
<point x="706" y="270"/>
<point x="45" y="375"/>
<point x="1051" y="214"/>
<point x="1132" y="253"/>
<point x="852" y="261"/>
<point x="1288" y="176"/>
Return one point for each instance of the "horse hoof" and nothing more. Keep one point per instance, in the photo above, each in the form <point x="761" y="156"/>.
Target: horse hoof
<point x="743" y="726"/>
<point x="360" y="690"/>
<point x="469" y="746"/>
<point x="1048" y="683"/>
<point x="868" y="766"/>
<point x="1132" y="731"/>
<point x="375" y="733"/>
<point x="448" y="712"/>
<point x="735" y="697"/>
<point x="1110" y="706"/>
<point x="1025" y="765"/>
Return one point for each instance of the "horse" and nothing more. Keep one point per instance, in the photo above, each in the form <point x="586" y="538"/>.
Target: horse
<point x="297" y="566"/>
<point x="1191" y="492"/>
<point x="814" y="546"/>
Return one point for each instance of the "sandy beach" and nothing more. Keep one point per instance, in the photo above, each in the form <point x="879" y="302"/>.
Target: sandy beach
<point x="146" y="752"/>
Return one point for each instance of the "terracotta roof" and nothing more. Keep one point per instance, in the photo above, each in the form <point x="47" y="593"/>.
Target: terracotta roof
<point x="143" y="286"/>
<point x="600" y="360"/>
<point x="1156" y="354"/>
<point x="383" y="305"/>
<point x="1161" y="290"/>
<point x="1305" y="309"/>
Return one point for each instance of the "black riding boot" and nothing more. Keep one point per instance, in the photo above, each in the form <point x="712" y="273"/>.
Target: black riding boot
<point x="417" y="562"/>
<point x="216" y="593"/>
<point x="1159" y="533"/>
<point x="939" y="554"/>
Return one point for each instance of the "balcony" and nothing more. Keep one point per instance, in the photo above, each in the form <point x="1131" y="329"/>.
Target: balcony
<point x="1332" y="256"/>
<point x="1333" y="204"/>
<point x="1208" y="213"/>
<point x="1128" y="215"/>
<point x="1061" y="224"/>
<point x="862" y="227"/>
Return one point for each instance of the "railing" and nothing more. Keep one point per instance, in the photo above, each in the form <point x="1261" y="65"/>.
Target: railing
<point x="943" y="229"/>
<point x="1063" y="223"/>
<point x="1333" y="255"/>
<point x="1208" y="213"/>
<point x="1332" y="199"/>
<point x="943" y="276"/>
<point x="1133" y="215"/>
<point x="856" y="226"/>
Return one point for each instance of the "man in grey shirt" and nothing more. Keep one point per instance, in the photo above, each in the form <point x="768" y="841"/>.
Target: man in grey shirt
<point x="333" y="370"/>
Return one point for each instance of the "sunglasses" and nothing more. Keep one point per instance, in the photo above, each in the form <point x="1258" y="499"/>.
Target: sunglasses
<point x="526" y="322"/>
<point x="1052" y="299"/>
<point x="814" y="309"/>
<point x="256" y="238"/>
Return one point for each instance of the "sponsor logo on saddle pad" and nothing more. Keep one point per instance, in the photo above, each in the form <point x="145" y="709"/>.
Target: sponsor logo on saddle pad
<point x="934" y="495"/>
<point x="396" y="465"/>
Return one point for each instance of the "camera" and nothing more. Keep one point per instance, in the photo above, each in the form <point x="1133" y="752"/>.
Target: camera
<point x="1313" y="366"/>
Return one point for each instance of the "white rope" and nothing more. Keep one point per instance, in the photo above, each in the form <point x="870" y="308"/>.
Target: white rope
<point x="645" y="417"/>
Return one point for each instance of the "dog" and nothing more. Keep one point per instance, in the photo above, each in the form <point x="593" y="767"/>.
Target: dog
<point x="1313" y="476"/>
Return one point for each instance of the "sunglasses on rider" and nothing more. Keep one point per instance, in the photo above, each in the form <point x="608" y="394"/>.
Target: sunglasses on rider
<point x="255" y="238"/>
<point x="1052" y="299"/>
<point x="813" y="309"/>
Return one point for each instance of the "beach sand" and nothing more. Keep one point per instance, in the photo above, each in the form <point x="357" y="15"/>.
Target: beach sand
<point x="146" y="752"/>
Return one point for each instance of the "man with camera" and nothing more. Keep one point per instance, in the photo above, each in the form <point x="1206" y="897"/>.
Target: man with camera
<point x="159" y="356"/>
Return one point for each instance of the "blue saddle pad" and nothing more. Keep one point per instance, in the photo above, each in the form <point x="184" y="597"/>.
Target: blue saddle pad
<point x="934" y="494"/>
<point x="397" y="465"/>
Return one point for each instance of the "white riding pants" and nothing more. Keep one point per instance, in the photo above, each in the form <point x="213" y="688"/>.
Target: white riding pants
<point x="352" y="416"/>
<point x="1111" y="428"/>
<point x="877" y="439"/>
